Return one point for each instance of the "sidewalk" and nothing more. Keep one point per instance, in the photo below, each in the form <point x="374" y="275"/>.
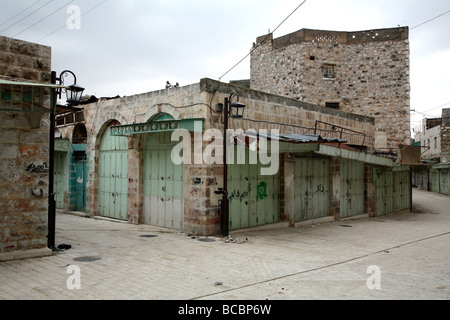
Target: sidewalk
<point x="116" y="260"/>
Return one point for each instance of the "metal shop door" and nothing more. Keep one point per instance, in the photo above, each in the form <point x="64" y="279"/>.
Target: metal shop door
<point x="60" y="179"/>
<point x="254" y="199"/>
<point x="384" y="191"/>
<point x="402" y="190"/>
<point x="444" y="181"/>
<point x="311" y="188"/>
<point x="163" y="184"/>
<point x="352" y="188"/>
<point x="113" y="183"/>
<point x="81" y="174"/>
<point x="434" y="181"/>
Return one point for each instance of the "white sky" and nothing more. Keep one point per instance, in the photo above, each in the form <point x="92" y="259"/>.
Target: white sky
<point x="126" y="47"/>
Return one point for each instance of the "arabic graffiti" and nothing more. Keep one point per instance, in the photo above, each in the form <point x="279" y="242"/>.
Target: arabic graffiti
<point x="261" y="191"/>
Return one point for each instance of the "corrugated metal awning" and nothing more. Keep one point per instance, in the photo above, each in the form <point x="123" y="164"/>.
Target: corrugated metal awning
<point x="6" y="81"/>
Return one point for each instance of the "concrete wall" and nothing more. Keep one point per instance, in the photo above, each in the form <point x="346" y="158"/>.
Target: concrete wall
<point x="371" y="74"/>
<point x="24" y="148"/>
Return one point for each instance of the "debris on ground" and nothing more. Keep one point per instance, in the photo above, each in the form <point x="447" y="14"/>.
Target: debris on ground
<point x="63" y="247"/>
<point x="236" y="240"/>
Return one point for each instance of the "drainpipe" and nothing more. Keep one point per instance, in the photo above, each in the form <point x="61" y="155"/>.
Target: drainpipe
<point x="51" y="170"/>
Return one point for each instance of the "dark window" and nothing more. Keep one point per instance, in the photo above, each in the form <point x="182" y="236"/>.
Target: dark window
<point x="332" y="105"/>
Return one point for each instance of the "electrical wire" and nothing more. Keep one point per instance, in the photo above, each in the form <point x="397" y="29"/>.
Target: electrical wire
<point x="257" y="45"/>
<point x="438" y="16"/>
<point x="49" y="15"/>
<point x="20" y="13"/>
<point x="27" y="16"/>
<point x="63" y="26"/>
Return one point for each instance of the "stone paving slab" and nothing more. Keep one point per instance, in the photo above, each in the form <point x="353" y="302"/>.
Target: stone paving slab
<point x="320" y="261"/>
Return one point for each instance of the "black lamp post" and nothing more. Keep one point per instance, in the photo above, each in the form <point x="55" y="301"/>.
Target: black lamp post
<point x="74" y="93"/>
<point x="233" y="110"/>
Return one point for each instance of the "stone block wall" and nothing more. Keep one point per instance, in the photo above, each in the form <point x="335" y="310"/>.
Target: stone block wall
<point x="364" y="72"/>
<point x="445" y="135"/>
<point x="202" y="214"/>
<point x="24" y="147"/>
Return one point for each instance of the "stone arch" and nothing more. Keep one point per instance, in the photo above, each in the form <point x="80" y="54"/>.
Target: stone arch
<point x="79" y="134"/>
<point x="161" y="108"/>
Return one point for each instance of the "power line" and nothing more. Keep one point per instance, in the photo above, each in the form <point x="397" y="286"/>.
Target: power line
<point x="258" y="44"/>
<point x="27" y="16"/>
<point x="430" y="20"/>
<point x="43" y="18"/>
<point x="438" y="107"/>
<point x="20" y="13"/>
<point x="63" y="26"/>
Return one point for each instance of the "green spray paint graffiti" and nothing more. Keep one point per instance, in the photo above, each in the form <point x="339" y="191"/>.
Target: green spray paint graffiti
<point x="261" y="191"/>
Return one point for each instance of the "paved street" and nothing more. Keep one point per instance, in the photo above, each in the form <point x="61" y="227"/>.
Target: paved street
<point x="400" y="256"/>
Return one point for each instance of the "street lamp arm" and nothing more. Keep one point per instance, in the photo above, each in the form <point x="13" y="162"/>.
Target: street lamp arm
<point x="65" y="74"/>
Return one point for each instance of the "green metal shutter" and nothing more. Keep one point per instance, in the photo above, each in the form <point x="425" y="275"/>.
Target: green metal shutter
<point x="311" y="188"/>
<point x="352" y="188"/>
<point x="163" y="184"/>
<point x="384" y="191"/>
<point x="402" y="190"/>
<point x="254" y="199"/>
<point x="113" y="182"/>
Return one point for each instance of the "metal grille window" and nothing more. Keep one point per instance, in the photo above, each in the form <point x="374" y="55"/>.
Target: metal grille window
<point x="328" y="71"/>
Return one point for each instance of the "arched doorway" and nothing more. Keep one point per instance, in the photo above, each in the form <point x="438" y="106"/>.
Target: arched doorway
<point x="113" y="175"/>
<point x="80" y="164"/>
<point x="163" y="181"/>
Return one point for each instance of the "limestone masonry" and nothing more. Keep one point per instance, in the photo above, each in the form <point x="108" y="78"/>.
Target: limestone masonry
<point x="363" y="72"/>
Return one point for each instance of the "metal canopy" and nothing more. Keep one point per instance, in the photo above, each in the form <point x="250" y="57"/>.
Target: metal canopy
<point x="31" y="84"/>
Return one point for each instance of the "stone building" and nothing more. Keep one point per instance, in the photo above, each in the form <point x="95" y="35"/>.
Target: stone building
<point x="324" y="169"/>
<point x="362" y="72"/>
<point x="434" y="139"/>
<point x="430" y="138"/>
<point x="24" y="147"/>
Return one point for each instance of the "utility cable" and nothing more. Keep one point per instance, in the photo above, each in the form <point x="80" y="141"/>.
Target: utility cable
<point x="257" y="45"/>
<point x="27" y="16"/>
<point x="438" y="16"/>
<point x="43" y="18"/>
<point x="63" y="26"/>
<point x="20" y="13"/>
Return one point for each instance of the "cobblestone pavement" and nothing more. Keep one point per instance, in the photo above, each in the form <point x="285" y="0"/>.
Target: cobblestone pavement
<point x="400" y="256"/>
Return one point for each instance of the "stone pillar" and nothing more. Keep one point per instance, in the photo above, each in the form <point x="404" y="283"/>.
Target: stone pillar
<point x="135" y="182"/>
<point x="287" y="182"/>
<point x="335" y="187"/>
<point x="369" y="190"/>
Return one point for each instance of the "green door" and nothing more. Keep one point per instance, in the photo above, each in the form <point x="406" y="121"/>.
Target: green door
<point x="434" y="180"/>
<point x="311" y="188"/>
<point x="444" y="181"/>
<point x="113" y="182"/>
<point x="384" y="191"/>
<point x="163" y="184"/>
<point x="352" y="188"/>
<point x="59" y="185"/>
<point x="81" y="172"/>
<point x="253" y="198"/>
<point x="402" y="190"/>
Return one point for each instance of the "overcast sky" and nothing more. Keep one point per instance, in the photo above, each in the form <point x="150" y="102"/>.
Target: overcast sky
<point x="126" y="47"/>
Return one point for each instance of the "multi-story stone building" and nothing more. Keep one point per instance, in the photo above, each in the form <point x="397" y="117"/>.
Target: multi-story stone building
<point x="362" y="72"/>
